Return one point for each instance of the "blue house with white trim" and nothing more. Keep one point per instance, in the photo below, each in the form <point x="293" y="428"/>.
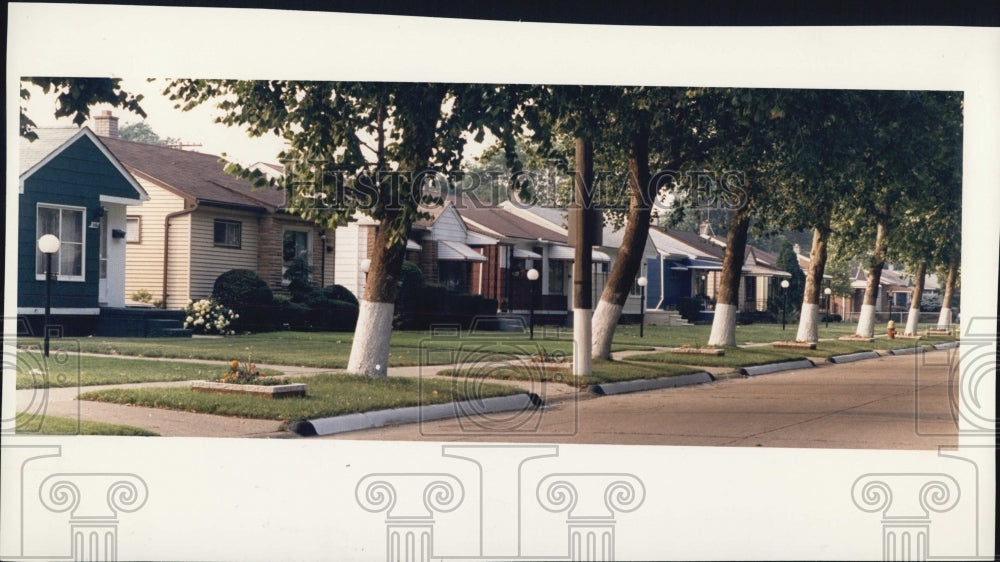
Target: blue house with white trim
<point x="71" y="186"/>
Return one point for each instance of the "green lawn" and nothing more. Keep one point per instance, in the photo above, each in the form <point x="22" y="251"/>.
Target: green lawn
<point x="735" y="357"/>
<point x="315" y="349"/>
<point x="84" y="370"/>
<point x="48" y="425"/>
<point x="603" y="371"/>
<point x="326" y="395"/>
<point x="332" y="349"/>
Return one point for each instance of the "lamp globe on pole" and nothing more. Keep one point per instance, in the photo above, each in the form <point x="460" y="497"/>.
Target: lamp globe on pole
<point x="827" y="291"/>
<point x="642" y="281"/>
<point x="48" y="244"/>
<point x="784" y="301"/>
<point x="532" y="277"/>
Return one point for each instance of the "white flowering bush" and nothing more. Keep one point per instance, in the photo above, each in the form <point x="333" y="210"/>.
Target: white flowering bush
<point x="207" y="316"/>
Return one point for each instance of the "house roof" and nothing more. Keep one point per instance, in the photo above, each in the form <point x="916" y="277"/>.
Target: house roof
<point x="50" y="142"/>
<point x="704" y="247"/>
<point x="193" y="175"/>
<point x="497" y="221"/>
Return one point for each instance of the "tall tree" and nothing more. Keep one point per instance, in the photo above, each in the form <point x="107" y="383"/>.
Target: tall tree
<point x="817" y="168"/>
<point x="743" y="124"/>
<point x="641" y="117"/>
<point x="360" y="147"/>
<point x="900" y="134"/>
<point x="74" y="97"/>
<point x="142" y="132"/>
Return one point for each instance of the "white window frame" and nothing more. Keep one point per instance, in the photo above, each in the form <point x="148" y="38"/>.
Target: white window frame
<point x="239" y="233"/>
<point x="134" y="236"/>
<point x="56" y="259"/>
<point x="309" y="249"/>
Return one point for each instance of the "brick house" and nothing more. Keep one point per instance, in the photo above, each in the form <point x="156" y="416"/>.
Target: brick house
<point x="200" y="222"/>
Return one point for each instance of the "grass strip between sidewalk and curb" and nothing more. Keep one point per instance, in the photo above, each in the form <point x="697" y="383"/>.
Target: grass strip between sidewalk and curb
<point x="88" y="370"/>
<point x="603" y="372"/>
<point x="326" y="396"/>
<point x="29" y="424"/>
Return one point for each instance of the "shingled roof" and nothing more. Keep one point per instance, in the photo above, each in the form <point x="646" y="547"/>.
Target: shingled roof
<point x="192" y="175"/>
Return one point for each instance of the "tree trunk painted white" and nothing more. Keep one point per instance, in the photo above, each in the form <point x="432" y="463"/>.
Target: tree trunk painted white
<point x="605" y="321"/>
<point x="582" y="341"/>
<point x="370" y="350"/>
<point x="808" y="323"/>
<point x="944" y="319"/>
<point x="912" y="322"/>
<point x="723" y="325"/>
<point x="866" y="321"/>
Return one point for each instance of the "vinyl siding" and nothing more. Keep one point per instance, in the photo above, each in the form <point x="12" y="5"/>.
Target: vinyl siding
<point x="144" y="260"/>
<point x="209" y="261"/>
<point x="351" y="243"/>
<point x="76" y="178"/>
<point x="448" y="226"/>
<point x="178" y="263"/>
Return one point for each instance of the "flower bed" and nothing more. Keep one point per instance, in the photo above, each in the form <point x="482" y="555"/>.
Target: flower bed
<point x="243" y="378"/>
<point x="264" y="390"/>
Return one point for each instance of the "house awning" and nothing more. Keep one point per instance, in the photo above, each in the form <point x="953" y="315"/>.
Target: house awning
<point x="450" y="250"/>
<point x="704" y="264"/>
<point x="411" y="245"/>
<point x="526" y="254"/>
<point x="568" y="254"/>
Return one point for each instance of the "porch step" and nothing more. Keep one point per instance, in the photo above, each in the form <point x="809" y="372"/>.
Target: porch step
<point x="665" y="318"/>
<point x="165" y="327"/>
<point x="140" y="323"/>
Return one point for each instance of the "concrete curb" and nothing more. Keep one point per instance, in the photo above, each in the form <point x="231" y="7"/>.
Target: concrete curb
<point x="907" y="350"/>
<point x="854" y="357"/>
<point x="640" y="385"/>
<point x="776" y="367"/>
<point x="946" y="345"/>
<point x="413" y="414"/>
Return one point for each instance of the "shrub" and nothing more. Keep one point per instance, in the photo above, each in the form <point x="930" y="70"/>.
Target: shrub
<point x="688" y="307"/>
<point x="434" y="304"/>
<point x="239" y="287"/>
<point x="207" y="316"/>
<point x="340" y="293"/>
<point x="299" y="285"/>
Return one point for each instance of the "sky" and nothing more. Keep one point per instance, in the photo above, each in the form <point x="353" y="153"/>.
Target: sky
<point x="196" y="126"/>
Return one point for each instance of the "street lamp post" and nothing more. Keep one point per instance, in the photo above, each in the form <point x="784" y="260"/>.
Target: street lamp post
<point x="784" y="301"/>
<point x="48" y="244"/>
<point x="642" y="303"/>
<point x="827" y="292"/>
<point x="532" y="277"/>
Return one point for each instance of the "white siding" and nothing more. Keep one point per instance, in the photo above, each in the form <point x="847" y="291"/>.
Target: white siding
<point x="448" y="226"/>
<point x="208" y="261"/>
<point x="351" y="243"/>
<point x="178" y="262"/>
<point x="144" y="260"/>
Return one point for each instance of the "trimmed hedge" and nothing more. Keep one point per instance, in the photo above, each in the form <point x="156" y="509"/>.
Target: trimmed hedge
<point x="434" y="304"/>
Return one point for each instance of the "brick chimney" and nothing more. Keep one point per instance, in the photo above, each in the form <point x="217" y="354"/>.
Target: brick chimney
<point x="106" y="124"/>
<point x="705" y="228"/>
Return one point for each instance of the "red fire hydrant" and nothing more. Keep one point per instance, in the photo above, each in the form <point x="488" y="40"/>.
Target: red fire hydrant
<point x="891" y="330"/>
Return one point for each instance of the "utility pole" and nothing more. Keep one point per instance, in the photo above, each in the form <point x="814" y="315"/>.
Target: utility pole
<point x="583" y="240"/>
